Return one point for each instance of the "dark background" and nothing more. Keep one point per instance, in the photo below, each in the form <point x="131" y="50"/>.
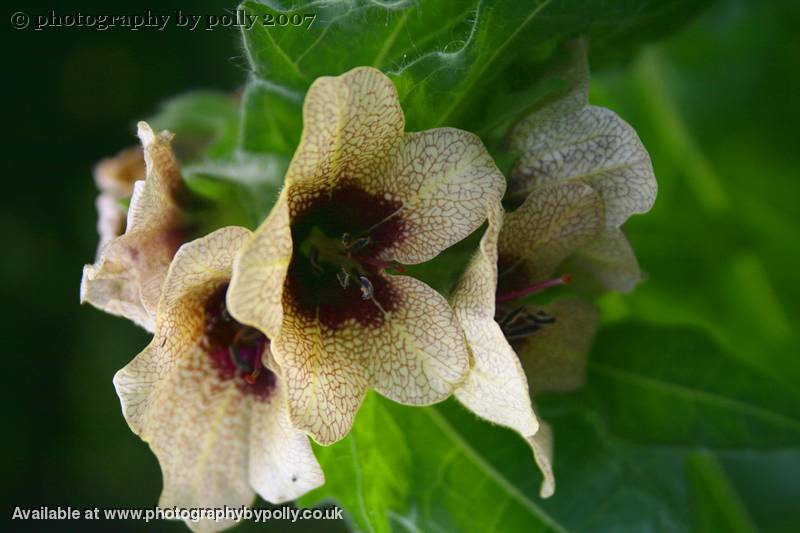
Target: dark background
<point x="73" y="96"/>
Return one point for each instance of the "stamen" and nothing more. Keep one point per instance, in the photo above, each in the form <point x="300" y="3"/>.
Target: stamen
<point x="533" y="289"/>
<point x="366" y="287"/>
<point x="512" y="316"/>
<point x="237" y="360"/>
<point x="543" y="318"/>
<point x="313" y="258"/>
<point x="359" y="244"/>
<point x="344" y="277"/>
<point x="252" y="377"/>
<point x="522" y="331"/>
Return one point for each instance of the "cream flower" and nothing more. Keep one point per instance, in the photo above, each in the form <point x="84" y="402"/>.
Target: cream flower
<point x="495" y="388"/>
<point x="581" y="174"/>
<point x="362" y="197"/>
<point x="126" y="278"/>
<point x="201" y="394"/>
<point x="115" y="176"/>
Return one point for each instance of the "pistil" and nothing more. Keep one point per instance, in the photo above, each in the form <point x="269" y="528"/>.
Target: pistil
<point x="533" y="289"/>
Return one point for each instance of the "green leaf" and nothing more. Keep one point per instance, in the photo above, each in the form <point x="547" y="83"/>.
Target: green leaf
<point x="717" y="506"/>
<point x="448" y="58"/>
<point x="675" y="386"/>
<point x="405" y="468"/>
<point x="205" y="123"/>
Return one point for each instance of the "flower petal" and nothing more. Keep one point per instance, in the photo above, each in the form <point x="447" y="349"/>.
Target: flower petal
<point x="351" y="123"/>
<point x="113" y="288"/>
<point x="259" y="271"/>
<point x="552" y="223"/>
<point x="116" y="175"/>
<point x="570" y="140"/>
<point x="196" y="424"/>
<point x="199" y="268"/>
<point x="443" y="178"/>
<point x="325" y="383"/>
<point x="126" y="279"/>
<point x="110" y="220"/>
<point x="610" y="259"/>
<point x="542" y="446"/>
<point x="555" y="357"/>
<point x="415" y="356"/>
<point x="282" y="463"/>
<point x="495" y="387"/>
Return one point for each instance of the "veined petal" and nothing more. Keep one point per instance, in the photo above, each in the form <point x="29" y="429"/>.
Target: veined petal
<point x="554" y="359"/>
<point x="198" y="269"/>
<point x="610" y="259"/>
<point x="569" y="140"/>
<point x="109" y="286"/>
<point x="351" y="125"/>
<point x="110" y="220"/>
<point x="416" y="355"/>
<point x="282" y="463"/>
<point x="552" y="223"/>
<point x="115" y="176"/>
<point x="474" y="296"/>
<point x="443" y="179"/>
<point x="325" y="383"/>
<point x="495" y="387"/>
<point x="126" y="279"/>
<point x="259" y="271"/>
<point x="542" y="446"/>
<point x="196" y="424"/>
<point x="215" y="442"/>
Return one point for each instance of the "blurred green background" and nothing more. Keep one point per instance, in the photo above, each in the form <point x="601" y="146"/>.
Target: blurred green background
<point x="713" y="103"/>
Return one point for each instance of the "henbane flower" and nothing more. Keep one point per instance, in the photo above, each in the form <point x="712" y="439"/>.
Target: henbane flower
<point x="126" y="278"/>
<point x="582" y="173"/>
<point x="361" y="198"/>
<point x="207" y="397"/>
<point x="115" y="176"/>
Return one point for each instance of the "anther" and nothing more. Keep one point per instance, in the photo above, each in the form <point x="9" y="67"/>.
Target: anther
<point x="512" y="316"/>
<point x="344" y="277"/>
<point x="237" y="360"/>
<point x="313" y="256"/>
<point x="252" y="377"/>
<point x="366" y="287"/>
<point x="522" y="331"/>
<point x="359" y="244"/>
<point x="543" y="318"/>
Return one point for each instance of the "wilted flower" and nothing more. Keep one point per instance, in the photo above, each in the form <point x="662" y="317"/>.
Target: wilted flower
<point x="207" y="397"/>
<point x="360" y="199"/>
<point x="582" y="173"/>
<point x="126" y="278"/>
<point x="115" y="176"/>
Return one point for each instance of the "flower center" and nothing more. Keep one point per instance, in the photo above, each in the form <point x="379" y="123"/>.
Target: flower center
<point x="517" y="321"/>
<point x="337" y="268"/>
<point x="235" y="349"/>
